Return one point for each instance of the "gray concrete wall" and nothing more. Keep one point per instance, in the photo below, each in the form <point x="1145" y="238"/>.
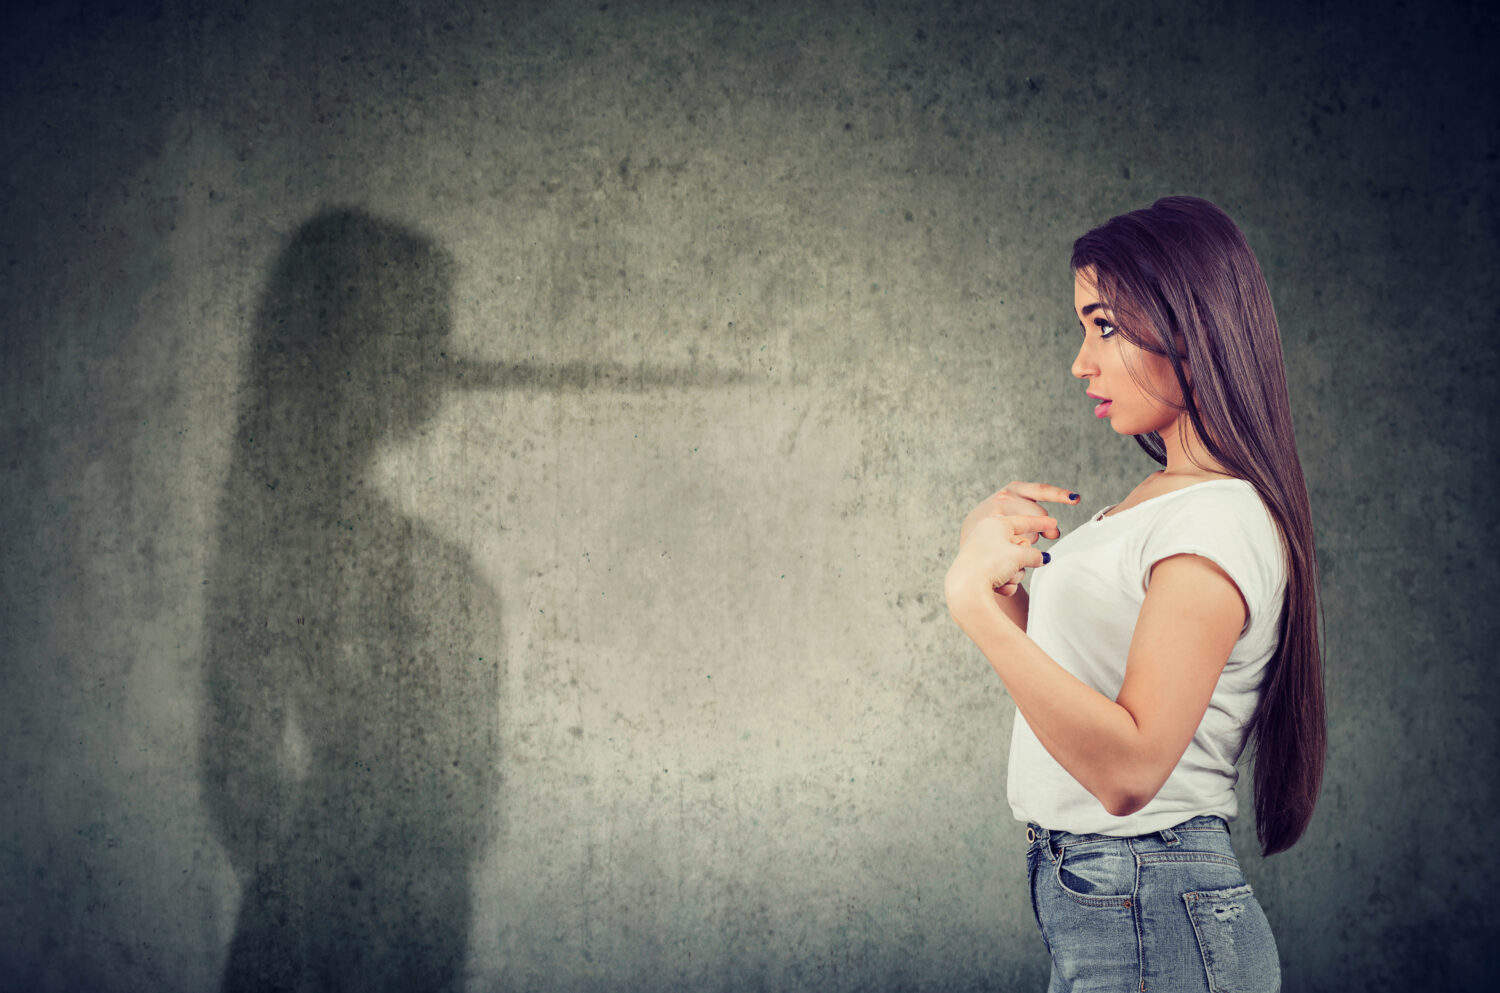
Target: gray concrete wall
<point x="654" y="687"/>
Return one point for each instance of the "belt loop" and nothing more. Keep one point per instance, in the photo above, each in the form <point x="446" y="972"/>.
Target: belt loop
<point x="1168" y="835"/>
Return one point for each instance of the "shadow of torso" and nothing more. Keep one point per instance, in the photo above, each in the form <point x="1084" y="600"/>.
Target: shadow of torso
<point x="355" y="742"/>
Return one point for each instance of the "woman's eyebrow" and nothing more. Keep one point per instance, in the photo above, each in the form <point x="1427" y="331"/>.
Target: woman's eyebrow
<point x="1089" y="308"/>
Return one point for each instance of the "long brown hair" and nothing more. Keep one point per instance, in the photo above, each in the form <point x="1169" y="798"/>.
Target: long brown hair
<point x="1183" y="283"/>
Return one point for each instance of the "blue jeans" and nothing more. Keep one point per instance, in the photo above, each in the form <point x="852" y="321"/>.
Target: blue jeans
<point x="1168" y="911"/>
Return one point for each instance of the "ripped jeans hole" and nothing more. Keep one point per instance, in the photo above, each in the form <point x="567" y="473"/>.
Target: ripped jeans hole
<point x="1229" y="912"/>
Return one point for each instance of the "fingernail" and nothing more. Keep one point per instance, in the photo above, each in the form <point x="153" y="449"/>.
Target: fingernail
<point x="1046" y="558"/>
<point x="1072" y="496"/>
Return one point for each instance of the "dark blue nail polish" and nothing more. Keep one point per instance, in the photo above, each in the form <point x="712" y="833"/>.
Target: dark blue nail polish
<point x="1072" y="496"/>
<point x="1046" y="558"/>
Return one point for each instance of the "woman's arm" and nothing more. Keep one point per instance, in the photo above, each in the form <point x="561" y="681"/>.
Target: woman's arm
<point x="1188" y="625"/>
<point x="1017" y="606"/>
<point x="1085" y="731"/>
<point x="1122" y="750"/>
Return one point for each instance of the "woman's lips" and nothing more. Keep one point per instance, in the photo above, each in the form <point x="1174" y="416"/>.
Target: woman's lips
<point x="1103" y="409"/>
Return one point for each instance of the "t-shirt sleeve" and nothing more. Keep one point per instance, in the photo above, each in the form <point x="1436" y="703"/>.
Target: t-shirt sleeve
<point x="1224" y="533"/>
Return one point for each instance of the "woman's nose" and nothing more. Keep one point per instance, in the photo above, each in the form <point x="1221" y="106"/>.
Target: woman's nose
<point x="1081" y="365"/>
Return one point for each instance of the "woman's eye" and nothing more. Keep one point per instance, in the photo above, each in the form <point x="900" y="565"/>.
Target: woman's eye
<point x="1105" y="329"/>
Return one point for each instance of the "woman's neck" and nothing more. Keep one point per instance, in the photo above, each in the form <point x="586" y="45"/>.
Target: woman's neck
<point x="1186" y="453"/>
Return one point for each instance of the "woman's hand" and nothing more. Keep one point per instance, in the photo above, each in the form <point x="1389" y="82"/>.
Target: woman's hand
<point x="992" y="557"/>
<point x="1017" y="498"/>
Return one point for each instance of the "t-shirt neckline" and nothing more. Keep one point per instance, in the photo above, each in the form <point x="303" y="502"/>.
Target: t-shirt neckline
<point x="1099" y="518"/>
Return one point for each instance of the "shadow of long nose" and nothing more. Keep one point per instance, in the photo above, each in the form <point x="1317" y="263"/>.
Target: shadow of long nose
<point x="482" y="375"/>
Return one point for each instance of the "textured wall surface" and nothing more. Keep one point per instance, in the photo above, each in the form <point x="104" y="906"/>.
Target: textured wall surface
<point x="636" y="673"/>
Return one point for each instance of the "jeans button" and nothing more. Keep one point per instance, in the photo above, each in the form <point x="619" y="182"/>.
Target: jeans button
<point x="1030" y="836"/>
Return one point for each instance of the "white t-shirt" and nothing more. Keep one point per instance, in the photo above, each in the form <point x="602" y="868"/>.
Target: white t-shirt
<point x="1083" y="608"/>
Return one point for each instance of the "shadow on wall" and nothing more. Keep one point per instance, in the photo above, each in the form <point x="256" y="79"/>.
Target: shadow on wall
<point x="349" y="751"/>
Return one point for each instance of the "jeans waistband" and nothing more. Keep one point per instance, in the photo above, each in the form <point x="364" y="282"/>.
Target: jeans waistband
<point x="1056" y="839"/>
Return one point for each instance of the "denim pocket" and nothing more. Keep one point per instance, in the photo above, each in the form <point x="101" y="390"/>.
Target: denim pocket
<point x="1097" y="874"/>
<point x="1235" y="940"/>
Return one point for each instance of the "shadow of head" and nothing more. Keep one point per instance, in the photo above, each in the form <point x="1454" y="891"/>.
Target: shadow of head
<point x="352" y="329"/>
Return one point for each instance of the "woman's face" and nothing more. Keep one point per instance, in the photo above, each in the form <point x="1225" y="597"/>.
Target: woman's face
<point x="1106" y="360"/>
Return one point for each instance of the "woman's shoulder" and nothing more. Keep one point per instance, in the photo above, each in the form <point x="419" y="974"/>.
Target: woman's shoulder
<point x="1222" y="496"/>
<point x="1228" y="514"/>
<point x="1233" y="491"/>
<point x="1164" y="491"/>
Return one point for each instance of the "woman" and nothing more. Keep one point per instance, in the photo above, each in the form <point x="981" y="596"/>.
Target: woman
<point x="1167" y="630"/>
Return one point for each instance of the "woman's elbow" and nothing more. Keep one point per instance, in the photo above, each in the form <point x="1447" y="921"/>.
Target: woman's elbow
<point x="1126" y="801"/>
<point x="1135" y="784"/>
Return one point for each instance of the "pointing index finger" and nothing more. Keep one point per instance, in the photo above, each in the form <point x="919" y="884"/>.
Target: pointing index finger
<point x="1043" y="491"/>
